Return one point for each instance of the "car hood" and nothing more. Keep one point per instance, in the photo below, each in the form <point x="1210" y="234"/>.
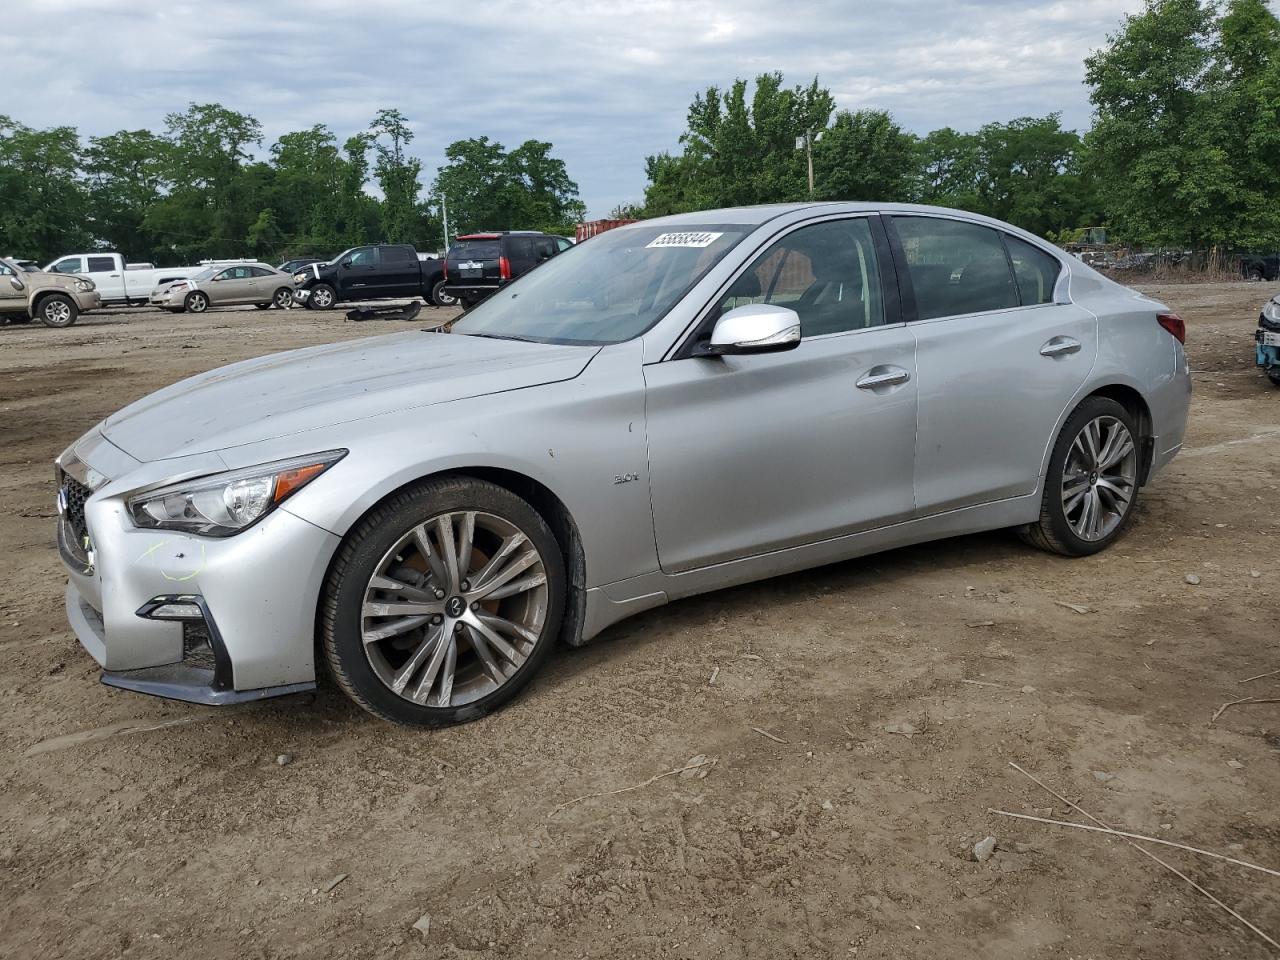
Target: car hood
<point x="286" y="393"/>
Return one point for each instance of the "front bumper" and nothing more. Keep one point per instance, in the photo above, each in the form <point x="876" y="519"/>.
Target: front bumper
<point x="88" y="300"/>
<point x="257" y="592"/>
<point x="1267" y="344"/>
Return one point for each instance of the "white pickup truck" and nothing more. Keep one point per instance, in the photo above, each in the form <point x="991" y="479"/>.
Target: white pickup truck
<point x="117" y="281"/>
<point x="125" y="283"/>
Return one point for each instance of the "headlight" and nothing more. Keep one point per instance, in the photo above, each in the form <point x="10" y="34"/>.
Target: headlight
<point x="84" y="285"/>
<point x="1272" y="311"/>
<point x="299" y="278"/>
<point x="227" y="503"/>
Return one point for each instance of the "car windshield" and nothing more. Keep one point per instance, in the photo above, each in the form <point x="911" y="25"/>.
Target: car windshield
<point x="207" y="273"/>
<point x="608" y="289"/>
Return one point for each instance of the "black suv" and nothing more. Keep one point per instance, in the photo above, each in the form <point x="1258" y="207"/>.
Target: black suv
<point x="479" y="263"/>
<point x="384" y="271"/>
<point x="1260" y="266"/>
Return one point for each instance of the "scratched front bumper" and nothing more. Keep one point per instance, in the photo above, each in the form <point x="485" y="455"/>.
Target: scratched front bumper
<point x="260" y="587"/>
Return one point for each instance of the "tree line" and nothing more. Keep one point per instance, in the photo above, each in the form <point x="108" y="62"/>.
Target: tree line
<point x="196" y="189"/>
<point x="1184" y="152"/>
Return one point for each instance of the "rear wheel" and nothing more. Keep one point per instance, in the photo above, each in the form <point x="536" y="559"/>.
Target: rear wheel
<point x="283" y="298"/>
<point x="1254" y="274"/>
<point x="440" y="298"/>
<point x="1274" y="374"/>
<point x="322" y="297"/>
<point x="443" y="603"/>
<point x="1092" y="482"/>
<point x="196" y="302"/>
<point x="57" y="310"/>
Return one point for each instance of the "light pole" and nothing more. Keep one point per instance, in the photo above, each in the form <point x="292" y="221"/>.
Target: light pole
<point x="807" y="141"/>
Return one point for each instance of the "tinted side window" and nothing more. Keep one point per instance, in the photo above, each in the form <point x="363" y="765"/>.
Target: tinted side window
<point x="955" y="267"/>
<point x="520" y="248"/>
<point x="827" y="273"/>
<point x="544" y="248"/>
<point x="1035" y="271"/>
<point x="261" y="272"/>
<point x="364" y="257"/>
<point x="101" y="264"/>
<point x="396" y="255"/>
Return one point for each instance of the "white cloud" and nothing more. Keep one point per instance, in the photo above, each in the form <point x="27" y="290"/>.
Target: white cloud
<point x="606" y="82"/>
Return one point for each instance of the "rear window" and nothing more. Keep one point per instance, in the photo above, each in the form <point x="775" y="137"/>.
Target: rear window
<point x="476" y="250"/>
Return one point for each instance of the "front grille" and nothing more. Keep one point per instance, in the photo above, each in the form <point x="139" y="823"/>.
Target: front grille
<point x="74" y="494"/>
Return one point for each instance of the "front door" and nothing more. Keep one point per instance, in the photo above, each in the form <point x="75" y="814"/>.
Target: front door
<point x="357" y="274"/>
<point x="232" y="285"/>
<point x="998" y="359"/>
<point x="749" y="454"/>
<point x="13" y="299"/>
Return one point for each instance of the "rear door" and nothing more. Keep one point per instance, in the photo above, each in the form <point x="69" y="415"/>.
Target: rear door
<point x="522" y="254"/>
<point x="998" y="359"/>
<point x="398" y="274"/>
<point x="756" y="453"/>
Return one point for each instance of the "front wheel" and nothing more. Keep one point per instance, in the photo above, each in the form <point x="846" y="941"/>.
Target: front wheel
<point x="196" y="302"/>
<point x="440" y="298"/>
<point x="443" y="603"/>
<point x="1092" y="481"/>
<point x="57" y="310"/>
<point x="322" y="297"/>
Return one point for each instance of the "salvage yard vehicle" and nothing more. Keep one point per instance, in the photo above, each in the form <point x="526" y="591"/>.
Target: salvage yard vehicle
<point x="376" y="272"/>
<point x="218" y="286"/>
<point x="1267" y="340"/>
<point x="1260" y="266"/>
<point x="480" y="263"/>
<point x="118" y="282"/>
<point x="679" y="405"/>
<point x="54" y="300"/>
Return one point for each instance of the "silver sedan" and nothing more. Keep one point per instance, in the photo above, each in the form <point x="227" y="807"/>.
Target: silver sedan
<point x="226" y="286"/>
<point x="669" y="408"/>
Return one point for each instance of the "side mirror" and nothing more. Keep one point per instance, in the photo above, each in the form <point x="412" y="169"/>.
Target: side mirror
<point x="346" y="264"/>
<point x="755" y="328"/>
<point x="17" y="284"/>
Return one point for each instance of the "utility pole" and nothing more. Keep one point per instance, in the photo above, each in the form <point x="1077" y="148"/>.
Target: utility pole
<point x="808" y="148"/>
<point x="444" y="216"/>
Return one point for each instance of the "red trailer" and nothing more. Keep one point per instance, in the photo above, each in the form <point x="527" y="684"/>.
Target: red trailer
<point x="592" y="227"/>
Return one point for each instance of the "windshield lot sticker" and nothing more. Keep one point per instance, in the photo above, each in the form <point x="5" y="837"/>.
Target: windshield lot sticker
<point x="694" y="240"/>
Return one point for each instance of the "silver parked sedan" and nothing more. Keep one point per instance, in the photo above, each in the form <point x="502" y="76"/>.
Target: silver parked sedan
<point x="226" y="286"/>
<point x="669" y="408"/>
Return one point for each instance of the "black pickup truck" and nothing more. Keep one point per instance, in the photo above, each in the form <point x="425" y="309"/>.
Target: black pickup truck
<point x="387" y="271"/>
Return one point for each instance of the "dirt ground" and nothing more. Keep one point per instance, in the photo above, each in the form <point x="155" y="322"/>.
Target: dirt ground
<point x="133" y="827"/>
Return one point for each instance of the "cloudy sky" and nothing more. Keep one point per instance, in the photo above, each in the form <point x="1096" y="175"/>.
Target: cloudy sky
<point x="606" y="82"/>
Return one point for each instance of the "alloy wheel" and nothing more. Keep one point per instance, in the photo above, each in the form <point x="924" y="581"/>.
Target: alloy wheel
<point x="57" y="312"/>
<point x="197" y="303"/>
<point x="284" y="299"/>
<point x="322" y="298"/>
<point x="1099" y="478"/>
<point x="454" y="609"/>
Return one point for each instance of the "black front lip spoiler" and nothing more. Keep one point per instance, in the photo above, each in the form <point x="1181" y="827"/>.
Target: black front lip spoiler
<point x="191" y="684"/>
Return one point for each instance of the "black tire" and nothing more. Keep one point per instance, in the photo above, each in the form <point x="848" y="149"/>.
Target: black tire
<point x="196" y="302"/>
<point x="322" y="292"/>
<point x="468" y="302"/>
<point x="440" y="298"/>
<point x="1274" y="375"/>
<point x="262" y="306"/>
<point x="358" y="557"/>
<point x="1254" y="274"/>
<point x="283" y="298"/>
<point x="57" y="310"/>
<point x="1052" y="532"/>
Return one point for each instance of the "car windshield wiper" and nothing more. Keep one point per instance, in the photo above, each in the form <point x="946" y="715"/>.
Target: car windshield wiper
<point x="494" y="336"/>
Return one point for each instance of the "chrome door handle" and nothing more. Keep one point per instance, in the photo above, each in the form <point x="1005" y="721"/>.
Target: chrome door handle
<point x="870" y="381"/>
<point x="1060" y="347"/>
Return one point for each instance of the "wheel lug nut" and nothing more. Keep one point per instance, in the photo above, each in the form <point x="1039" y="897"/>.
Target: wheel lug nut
<point x="437" y="620"/>
<point x="475" y="605"/>
<point x="439" y="594"/>
<point x="457" y="628"/>
<point x="465" y="585"/>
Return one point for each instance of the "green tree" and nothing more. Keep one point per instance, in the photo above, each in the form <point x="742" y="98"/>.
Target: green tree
<point x="865" y="156"/>
<point x="1156" y="150"/>
<point x="43" y="204"/>
<point x="125" y="177"/>
<point x="738" y="153"/>
<point x="212" y="200"/>
<point x="487" y="188"/>
<point x="397" y="175"/>
<point x="1029" y="175"/>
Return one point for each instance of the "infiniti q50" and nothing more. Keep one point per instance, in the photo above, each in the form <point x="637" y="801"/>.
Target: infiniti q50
<point x="672" y="407"/>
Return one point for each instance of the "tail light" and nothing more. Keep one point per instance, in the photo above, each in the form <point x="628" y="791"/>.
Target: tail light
<point x="1174" y="324"/>
<point x="504" y="268"/>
